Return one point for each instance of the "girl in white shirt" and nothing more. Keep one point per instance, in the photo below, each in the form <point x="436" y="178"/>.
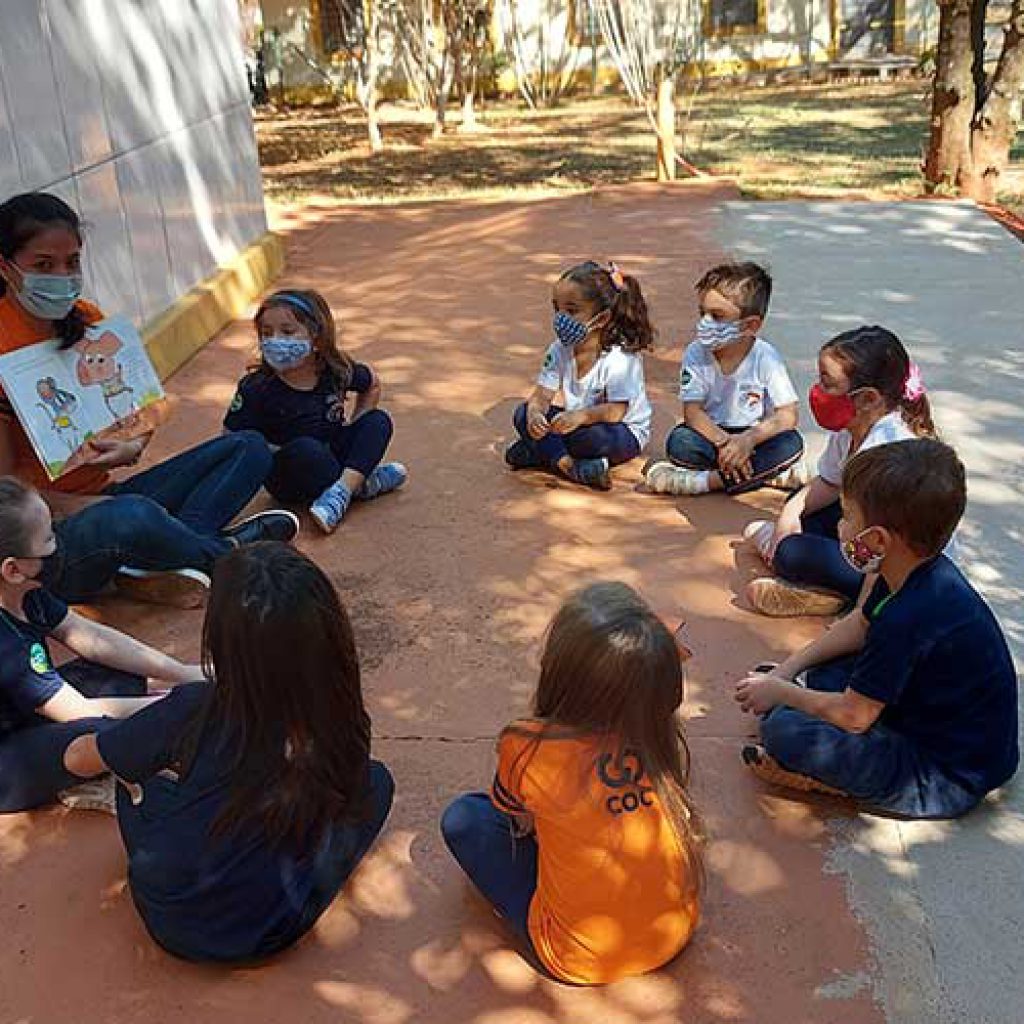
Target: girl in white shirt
<point x="601" y="326"/>
<point x="868" y="393"/>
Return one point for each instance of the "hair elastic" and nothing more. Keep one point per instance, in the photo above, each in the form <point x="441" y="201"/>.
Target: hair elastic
<point x="618" y="281"/>
<point x="914" y="387"/>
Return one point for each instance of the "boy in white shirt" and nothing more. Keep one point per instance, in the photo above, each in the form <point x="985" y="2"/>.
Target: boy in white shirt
<point x="740" y="410"/>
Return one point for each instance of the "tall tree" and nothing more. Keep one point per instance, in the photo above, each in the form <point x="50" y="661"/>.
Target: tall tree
<point x="652" y="42"/>
<point x="974" y="117"/>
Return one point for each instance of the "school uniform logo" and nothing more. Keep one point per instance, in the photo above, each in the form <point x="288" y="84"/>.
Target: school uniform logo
<point x="624" y="772"/>
<point x="752" y="399"/>
<point x="37" y="659"/>
<point x="685" y="377"/>
<point x="236" y="402"/>
<point x="335" y="412"/>
<point x="549" y="360"/>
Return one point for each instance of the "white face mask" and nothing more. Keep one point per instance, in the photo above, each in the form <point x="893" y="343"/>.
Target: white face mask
<point x="715" y="334"/>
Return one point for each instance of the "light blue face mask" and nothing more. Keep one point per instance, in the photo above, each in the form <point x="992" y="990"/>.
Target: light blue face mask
<point x="49" y="296"/>
<point x="715" y="334"/>
<point x="285" y="353"/>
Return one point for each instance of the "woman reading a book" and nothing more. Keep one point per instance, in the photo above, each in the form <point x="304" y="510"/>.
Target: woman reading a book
<point x="156" y="533"/>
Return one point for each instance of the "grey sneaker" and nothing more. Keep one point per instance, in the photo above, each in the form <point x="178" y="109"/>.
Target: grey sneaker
<point x="668" y="478"/>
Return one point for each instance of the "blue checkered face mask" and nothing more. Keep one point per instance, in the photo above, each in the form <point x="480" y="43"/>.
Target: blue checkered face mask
<point x="570" y="331"/>
<point x="715" y="334"/>
<point x="285" y="353"/>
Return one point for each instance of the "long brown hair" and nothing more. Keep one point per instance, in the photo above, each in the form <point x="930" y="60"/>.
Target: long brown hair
<point x="630" y="324"/>
<point x="312" y="311"/>
<point x="611" y="670"/>
<point x="279" y="648"/>
<point x="873" y="357"/>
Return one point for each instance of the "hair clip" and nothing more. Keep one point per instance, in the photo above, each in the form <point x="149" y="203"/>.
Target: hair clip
<point x="618" y="281"/>
<point x="914" y="387"/>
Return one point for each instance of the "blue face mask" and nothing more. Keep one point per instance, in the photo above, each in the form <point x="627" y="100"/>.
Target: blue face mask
<point x="570" y="331"/>
<point x="715" y="334"/>
<point x="285" y="353"/>
<point x="49" y="296"/>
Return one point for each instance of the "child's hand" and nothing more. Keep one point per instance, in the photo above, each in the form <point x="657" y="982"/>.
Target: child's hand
<point x="734" y="458"/>
<point x="537" y="425"/>
<point x="567" y="422"/>
<point x="111" y="454"/>
<point x="758" y="694"/>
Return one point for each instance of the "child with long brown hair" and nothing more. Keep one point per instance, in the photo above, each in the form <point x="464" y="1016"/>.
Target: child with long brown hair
<point x="249" y="797"/>
<point x="601" y="326"/>
<point x="296" y="399"/>
<point x="868" y="393"/>
<point x="588" y="844"/>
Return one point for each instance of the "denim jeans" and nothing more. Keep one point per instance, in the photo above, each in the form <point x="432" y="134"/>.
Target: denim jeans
<point x="613" y="441"/>
<point x="813" y="558"/>
<point x="32" y="770"/>
<point x="207" y="486"/>
<point x="692" y="450"/>
<point x="500" y="864"/>
<point x="881" y="767"/>
<point x="304" y="468"/>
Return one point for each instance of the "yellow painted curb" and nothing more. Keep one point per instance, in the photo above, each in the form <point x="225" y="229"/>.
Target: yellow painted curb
<point x="182" y="330"/>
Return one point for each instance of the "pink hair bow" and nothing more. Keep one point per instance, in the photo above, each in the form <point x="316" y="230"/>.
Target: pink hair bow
<point x="914" y="387"/>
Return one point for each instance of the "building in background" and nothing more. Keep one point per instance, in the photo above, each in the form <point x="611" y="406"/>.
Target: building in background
<point x="137" y="113"/>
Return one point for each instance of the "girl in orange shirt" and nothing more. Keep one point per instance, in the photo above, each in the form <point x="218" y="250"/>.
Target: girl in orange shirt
<point x="588" y="844"/>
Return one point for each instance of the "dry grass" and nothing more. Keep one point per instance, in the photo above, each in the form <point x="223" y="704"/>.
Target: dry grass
<point x="778" y="142"/>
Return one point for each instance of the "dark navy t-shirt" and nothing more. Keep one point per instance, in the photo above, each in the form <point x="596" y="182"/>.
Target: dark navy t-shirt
<point x="27" y="676"/>
<point x="202" y="896"/>
<point x="936" y="657"/>
<point x="281" y="413"/>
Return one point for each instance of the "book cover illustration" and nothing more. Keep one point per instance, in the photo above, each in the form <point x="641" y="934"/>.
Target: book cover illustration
<point x="104" y="386"/>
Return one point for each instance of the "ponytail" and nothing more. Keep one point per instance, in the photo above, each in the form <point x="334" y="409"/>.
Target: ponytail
<point x="629" y="325"/>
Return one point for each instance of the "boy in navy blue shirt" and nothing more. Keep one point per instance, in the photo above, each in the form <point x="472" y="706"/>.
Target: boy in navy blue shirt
<point x="910" y="704"/>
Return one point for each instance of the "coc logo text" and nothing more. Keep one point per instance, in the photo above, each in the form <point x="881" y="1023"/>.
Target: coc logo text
<point x="624" y="772"/>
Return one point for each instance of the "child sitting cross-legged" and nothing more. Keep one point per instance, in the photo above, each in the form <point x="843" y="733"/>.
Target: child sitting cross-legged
<point x="910" y="704"/>
<point x="740" y="409"/>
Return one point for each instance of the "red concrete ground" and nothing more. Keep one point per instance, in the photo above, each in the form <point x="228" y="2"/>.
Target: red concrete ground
<point x="450" y="584"/>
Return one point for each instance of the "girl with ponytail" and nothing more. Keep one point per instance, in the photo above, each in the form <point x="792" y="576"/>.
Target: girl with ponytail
<point x="868" y="393"/>
<point x="601" y="327"/>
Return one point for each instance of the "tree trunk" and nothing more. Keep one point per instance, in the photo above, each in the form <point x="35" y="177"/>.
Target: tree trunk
<point x="666" y="121"/>
<point x="995" y="124"/>
<point x="953" y="98"/>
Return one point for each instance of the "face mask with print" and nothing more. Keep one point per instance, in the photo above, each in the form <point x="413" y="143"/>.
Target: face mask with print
<point x="285" y="353"/>
<point x="49" y="296"/>
<point x="715" y="334"/>
<point x="859" y="557"/>
<point x="570" y="331"/>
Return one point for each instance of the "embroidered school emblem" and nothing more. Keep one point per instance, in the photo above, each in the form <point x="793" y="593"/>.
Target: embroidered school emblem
<point x="685" y="377"/>
<point x="752" y="399"/>
<point x="549" y="360"/>
<point x="38" y="660"/>
<point x="335" y="408"/>
<point x="236" y="402"/>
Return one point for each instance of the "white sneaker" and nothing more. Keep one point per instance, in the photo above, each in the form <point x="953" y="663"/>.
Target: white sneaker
<point x="176" y="588"/>
<point x="793" y="477"/>
<point x="759" y="535"/>
<point x="668" y="478"/>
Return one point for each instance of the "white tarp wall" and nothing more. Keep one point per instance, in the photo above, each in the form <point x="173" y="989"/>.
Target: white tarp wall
<point x="136" y="113"/>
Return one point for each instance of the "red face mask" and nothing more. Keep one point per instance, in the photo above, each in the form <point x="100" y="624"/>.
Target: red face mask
<point x="833" y="412"/>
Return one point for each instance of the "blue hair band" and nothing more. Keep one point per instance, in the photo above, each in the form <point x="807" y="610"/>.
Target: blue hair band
<point x="298" y="302"/>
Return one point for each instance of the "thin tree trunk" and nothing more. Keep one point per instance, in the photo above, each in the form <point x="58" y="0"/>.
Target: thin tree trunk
<point x="666" y="120"/>
<point x="995" y="125"/>
<point x="953" y="98"/>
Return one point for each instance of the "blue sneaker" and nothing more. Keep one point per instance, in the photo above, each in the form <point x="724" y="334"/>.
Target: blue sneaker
<point x="327" y="511"/>
<point x="388" y="476"/>
<point x="592" y="473"/>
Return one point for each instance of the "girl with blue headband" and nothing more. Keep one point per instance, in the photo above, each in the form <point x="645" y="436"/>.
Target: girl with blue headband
<point x="296" y="398"/>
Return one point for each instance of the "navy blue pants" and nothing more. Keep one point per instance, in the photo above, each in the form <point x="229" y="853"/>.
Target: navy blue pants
<point x="32" y="770"/>
<point x="613" y="441"/>
<point x="813" y="558"/>
<point x="304" y="468"/>
<point x="500" y="864"/>
<point x="686" y="447"/>
<point x="167" y="517"/>
<point x="881" y="767"/>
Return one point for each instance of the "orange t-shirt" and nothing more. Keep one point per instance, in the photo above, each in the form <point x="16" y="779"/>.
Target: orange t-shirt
<point x="18" y="330"/>
<point x="613" y="898"/>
